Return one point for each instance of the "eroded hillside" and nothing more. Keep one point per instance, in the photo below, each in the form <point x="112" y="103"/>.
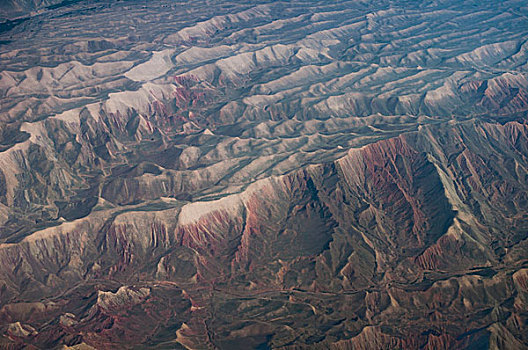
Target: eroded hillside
<point x="345" y="175"/>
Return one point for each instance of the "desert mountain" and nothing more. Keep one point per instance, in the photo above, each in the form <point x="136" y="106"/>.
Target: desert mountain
<point x="264" y="175"/>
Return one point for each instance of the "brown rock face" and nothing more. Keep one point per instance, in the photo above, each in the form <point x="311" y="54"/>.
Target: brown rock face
<point x="264" y="175"/>
<point x="386" y="247"/>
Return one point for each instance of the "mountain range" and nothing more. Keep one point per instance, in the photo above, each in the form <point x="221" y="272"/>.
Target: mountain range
<point x="264" y="174"/>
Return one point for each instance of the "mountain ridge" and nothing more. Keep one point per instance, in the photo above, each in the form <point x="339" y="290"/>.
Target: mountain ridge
<point x="294" y="175"/>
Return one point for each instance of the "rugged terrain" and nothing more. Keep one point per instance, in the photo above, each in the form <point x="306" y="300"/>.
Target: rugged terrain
<point x="286" y="175"/>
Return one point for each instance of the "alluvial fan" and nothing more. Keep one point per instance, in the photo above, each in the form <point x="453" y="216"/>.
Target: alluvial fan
<point x="264" y="174"/>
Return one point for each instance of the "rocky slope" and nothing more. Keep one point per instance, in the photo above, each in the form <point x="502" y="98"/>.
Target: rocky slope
<point x="347" y="175"/>
<point x="11" y="10"/>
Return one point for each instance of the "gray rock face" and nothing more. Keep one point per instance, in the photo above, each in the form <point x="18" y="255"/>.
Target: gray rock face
<point x="304" y="174"/>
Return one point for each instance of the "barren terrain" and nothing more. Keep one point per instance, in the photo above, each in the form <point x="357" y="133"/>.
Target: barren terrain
<point x="286" y="175"/>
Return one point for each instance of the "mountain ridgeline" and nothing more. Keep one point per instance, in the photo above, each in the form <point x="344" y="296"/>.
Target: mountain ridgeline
<point x="264" y="175"/>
